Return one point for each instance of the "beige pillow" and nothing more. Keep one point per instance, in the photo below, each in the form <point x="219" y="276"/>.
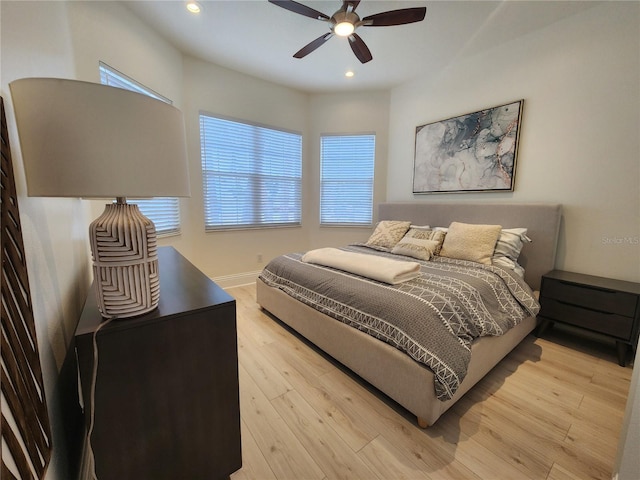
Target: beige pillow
<point x="388" y="233"/>
<point x="466" y="241"/>
<point x="420" y="242"/>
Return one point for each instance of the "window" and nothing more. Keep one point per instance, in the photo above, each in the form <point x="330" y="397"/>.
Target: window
<point x="252" y="175"/>
<point x="164" y="212"/>
<point x="346" y="179"/>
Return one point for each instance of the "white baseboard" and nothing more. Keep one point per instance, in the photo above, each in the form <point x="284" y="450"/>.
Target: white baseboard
<point x="237" y="279"/>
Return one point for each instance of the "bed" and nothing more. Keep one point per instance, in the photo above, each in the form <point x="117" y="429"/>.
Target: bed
<point x="420" y="385"/>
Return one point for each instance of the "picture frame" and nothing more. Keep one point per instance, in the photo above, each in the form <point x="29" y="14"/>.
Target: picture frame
<point x="475" y="152"/>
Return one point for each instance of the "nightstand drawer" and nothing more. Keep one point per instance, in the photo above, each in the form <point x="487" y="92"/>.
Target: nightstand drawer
<point x="591" y="297"/>
<point x="608" y="323"/>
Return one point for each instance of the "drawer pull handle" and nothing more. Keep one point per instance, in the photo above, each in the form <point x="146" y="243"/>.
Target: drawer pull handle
<point x="584" y="308"/>
<point x="588" y="287"/>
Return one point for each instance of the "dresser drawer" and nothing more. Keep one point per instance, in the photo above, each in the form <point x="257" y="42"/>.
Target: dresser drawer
<point x="588" y="296"/>
<point x="607" y="323"/>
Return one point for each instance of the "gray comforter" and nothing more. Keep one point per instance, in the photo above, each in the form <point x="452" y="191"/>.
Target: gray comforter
<point x="434" y="318"/>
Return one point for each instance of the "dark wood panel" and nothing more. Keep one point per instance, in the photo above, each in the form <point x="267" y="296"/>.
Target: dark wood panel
<point x="606" y="306"/>
<point x="595" y="281"/>
<point x="28" y="436"/>
<point x="607" y="323"/>
<point x="589" y="296"/>
<point x="166" y="398"/>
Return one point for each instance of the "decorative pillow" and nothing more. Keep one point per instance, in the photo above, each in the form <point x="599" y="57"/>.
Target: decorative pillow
<point x="420" y="242"/>
<point x="388" y="233"/>
<point x="508" y="248"/>
<point x="473" y="242"/>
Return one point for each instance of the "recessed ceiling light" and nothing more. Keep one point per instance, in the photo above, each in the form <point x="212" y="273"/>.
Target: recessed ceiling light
<point x="349" y="74"/>
<point x="194" y="7"/>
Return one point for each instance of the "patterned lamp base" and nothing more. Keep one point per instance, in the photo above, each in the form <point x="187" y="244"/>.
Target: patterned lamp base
<point x="125" y="261"/>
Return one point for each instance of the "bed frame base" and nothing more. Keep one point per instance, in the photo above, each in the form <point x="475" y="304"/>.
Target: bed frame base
<point x="406" y="381"/>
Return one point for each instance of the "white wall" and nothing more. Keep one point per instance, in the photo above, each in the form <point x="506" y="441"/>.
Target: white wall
<point x="216" y="90"/>
<point x="108" y="32"/>
<point x="357" y="113"/>
<point x="579" y="140"/>
<point x="59" y="39"/>
<point x="35" y="41"/>
<point x="213" y="89"/>
<point x="579" y="143"/>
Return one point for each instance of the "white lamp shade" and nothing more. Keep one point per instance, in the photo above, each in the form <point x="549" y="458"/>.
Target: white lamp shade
<point x="81" y="139"/>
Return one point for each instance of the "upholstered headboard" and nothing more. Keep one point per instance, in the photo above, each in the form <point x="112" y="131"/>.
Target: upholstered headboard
<point x="541" y="219"/>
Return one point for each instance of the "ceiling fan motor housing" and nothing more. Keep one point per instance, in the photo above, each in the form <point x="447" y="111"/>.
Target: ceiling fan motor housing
<point x="344" y="17"/>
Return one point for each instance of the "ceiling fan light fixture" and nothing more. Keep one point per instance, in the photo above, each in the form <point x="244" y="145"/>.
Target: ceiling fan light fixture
<point x="344" y="29"/>
<point x="345" y="21"/>
<point x="194" y="7"/>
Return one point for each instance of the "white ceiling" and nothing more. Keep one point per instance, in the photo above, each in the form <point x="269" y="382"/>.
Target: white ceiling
<point x="258" y="38"/>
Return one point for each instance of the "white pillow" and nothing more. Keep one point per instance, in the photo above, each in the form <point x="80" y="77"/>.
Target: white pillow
<point x="508" y="248"/>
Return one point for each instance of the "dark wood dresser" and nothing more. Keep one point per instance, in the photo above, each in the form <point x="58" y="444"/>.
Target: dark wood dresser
<point x="166" y="389"/>
<point x="601" y="305"/>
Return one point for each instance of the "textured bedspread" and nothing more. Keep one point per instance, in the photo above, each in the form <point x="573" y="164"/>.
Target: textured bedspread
<point x="433" y="318"/>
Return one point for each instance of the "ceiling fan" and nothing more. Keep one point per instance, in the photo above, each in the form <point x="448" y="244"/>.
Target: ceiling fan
<point x="344" y="22"/>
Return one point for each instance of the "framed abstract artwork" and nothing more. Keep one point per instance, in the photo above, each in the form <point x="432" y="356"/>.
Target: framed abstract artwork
<point x="470" y="153"/>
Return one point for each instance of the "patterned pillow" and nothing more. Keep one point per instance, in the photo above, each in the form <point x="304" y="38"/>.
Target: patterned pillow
<point x="508" y="248"/>
<point x="467" y="241"/>
<point x="421" y="243"/>
<point x="388" y="233"/>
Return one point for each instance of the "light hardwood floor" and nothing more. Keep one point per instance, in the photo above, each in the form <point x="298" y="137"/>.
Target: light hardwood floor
<point x="552" y="409"/>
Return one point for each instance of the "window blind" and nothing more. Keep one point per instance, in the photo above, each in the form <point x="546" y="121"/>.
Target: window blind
<point x="252" y="175"/>
<point x="164" y="212"/>
<point x="346" y="179"/>
<point x="111" y="76"/>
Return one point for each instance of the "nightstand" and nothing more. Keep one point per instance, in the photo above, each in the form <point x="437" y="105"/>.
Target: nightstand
<point x="166" y="389"/>
<point x="602" y="305"/>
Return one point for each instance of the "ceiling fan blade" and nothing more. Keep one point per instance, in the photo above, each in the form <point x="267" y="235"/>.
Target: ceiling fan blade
<point x="296" y="7"/>
<point x="359" y="48"/>
<point x="310" y="47"/>
<point x="395" y="17"/>
<point x="350" y="5"/>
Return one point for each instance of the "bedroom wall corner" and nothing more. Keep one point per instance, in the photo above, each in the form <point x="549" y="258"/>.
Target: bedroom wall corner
<point x="347" y="113"/>
<point x="216" y="90"/>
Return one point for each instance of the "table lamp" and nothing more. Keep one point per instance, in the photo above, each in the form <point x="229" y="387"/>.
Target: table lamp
<point x="81" y="139"/>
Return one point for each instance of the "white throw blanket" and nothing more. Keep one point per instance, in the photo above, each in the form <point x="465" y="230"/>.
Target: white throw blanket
<point x="382" y="269"/>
